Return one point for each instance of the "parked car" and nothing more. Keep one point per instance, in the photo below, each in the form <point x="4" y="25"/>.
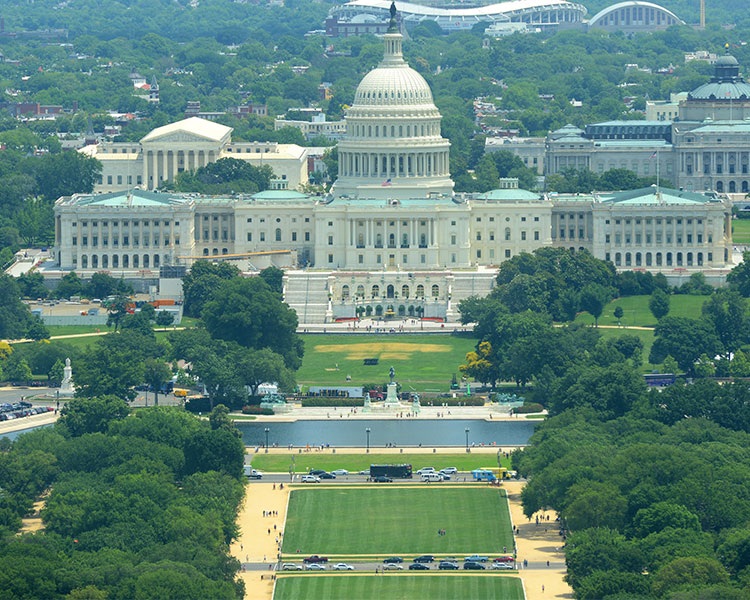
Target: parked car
<point x="382" y="479"/>
<point x="343" y="567"/>
<point x="315" y="559"/>
<point x="310" y="479"/>
<point x="365" y="472"/>
<point x="340" y="472"/>
<point x="325" y="475"/>
<point x="425" y="558"/>
<point x="499" y="565"/>
<point x="474" y="566"/>
<point x="315" y="567"/>
<point x="503" y="559"/>
<point x="424" y="470"/>
<point x="476" y="558"/>
<point x="447" y="565"/>
<point x="393" y="559"/>
<point x="393" y="567"/>
<point x="449" y="470"/>
<point x="291" y="567"/>
<point x="418" y="567"/>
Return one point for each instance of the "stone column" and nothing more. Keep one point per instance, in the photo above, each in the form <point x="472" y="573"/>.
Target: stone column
<point x="175" y="164"/>
<point x="165" y="165"/>
<point x="144" y="156"/>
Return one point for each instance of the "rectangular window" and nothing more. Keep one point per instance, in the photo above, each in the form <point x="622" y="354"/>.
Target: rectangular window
<point x="249" y="236"/>
<point x="307" y="236"/>
<point x="405" y="259"/>
<point x="378" y="259"/>
<point x="700" y="238"/>
<point x="453" y="240"/>
<point x="689" y="238"/>
<point x="492" y="253"/>
<point x="479" y="254"/>
<point x="94" y="241"/>
<point x="330" y="258"/>
<point x="606" y="239"/>
<point x="75" y="241"/>
<point x="523" y="236"/>
<point x="109" y="179"/>
<point x="479" y="236"/>
<point x="119" y="180"/>
<point x="361" y="259"/>
<point x="262" y="236"/>
<point x="422" y="258"/>
<point x="294" y="236"/>
<point x="536" y="235"/>
<point x="330" y="240"/>
<point x="492" y="236"/>
<point x="507" y="254"/>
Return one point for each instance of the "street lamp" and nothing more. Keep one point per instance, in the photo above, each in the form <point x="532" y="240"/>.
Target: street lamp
<point x="266" y="430"/>
<point x="367" y="431"/>
<point x="467" y="439"/>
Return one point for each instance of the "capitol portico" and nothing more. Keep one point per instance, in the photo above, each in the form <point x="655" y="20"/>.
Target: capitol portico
<point x="392" y="238"/>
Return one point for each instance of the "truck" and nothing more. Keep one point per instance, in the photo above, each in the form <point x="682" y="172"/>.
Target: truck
<point x="252" y="473"/>
<point x="395" y="471"/>
<point x="484" y="475"/>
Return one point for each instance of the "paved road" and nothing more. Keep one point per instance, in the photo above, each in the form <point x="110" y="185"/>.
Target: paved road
<point x="356" y="478"/>
<point x="369" y="567"/>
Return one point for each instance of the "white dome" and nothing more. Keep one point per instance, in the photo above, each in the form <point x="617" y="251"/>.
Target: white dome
<point x="400" y="85"/>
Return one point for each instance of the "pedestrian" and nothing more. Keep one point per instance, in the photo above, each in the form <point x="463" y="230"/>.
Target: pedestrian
<point x="269" y="531"/>
<point x="264" y="513"/>
<point x="542" y="588"/>
<point x="274" y="527"/>
<point x="548" y="563"/>
<point x="274" y="486"/>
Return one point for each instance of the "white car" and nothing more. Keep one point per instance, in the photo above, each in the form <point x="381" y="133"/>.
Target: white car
<point x="310" y="479"/>
<point x="367" y="472"/>
<point x="343" y="567"/>
<point x="432" y="476"/>
<point x="499" y="565"/>
<point x="424" y="470"/>
<point x="449" y="470"/>
<point x="316" y="567"/>
<point x="340" y="472"/>
<point x="393" y="567"/>
<point x="291" y="567"/>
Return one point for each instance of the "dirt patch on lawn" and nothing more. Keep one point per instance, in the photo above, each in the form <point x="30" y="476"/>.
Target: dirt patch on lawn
<point x="385" y="350"/>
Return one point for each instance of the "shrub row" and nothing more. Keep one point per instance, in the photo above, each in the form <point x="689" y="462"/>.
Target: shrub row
<point x="256" y="410"/>
<point x="322" y="401"/>
<point x="531" y="407"/>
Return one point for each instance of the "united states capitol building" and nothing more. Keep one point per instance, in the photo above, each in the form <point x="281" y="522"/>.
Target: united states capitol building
<point x="392" y="238"/>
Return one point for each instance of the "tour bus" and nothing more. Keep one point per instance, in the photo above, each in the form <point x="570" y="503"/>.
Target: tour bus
<point x="484" y="475"/>
<point x="395" y="471"/>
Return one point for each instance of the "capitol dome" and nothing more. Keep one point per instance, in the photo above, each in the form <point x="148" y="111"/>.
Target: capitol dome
<point x="725" y="86"/>
<point x="393" y="146"/>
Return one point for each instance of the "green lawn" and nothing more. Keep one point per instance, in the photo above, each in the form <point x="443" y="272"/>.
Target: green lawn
<point x="637" y="312"/>
<point x="276" y="463"/>
<point x="408" y="587"/>
<point x="741" y="231"/>
<point x="397" y="520"/>
<point x="422" y="362"/>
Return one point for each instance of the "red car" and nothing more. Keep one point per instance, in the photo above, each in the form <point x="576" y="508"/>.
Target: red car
<point x="503" y="559"/>
<point x="315" y="559"/>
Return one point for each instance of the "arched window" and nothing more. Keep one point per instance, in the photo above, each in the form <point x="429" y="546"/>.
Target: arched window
<point x="278" y="234"/>
<point x="94" y="261"/>
<point x="669" y="259"/>
<point x="401" y="310"/>
<point x="156" y="260"/>
<point x="628" y="259"/>
<point x="378" y="240"/>
<point x="435" y="291"/>
<point x="205" y="251"/>
<point x="422" y="240"/>
<point x="420" y="291"/>
<point x="125" y="261"/>
<point x="618" y="259"/>
<point x="224" y="251"/>
<point x="658" y="259"/>
<point x="105" y="261"/>
<point x="345" y="291"/>
<point x="361" y="240"/>
<point x="84" y="262"/>
<point x="389" y="291"/>
<point x="115" y="261"/>
<point x="719" y="186"/>
<point x="360" y="291"/>
<point x="145" y="261"/>
<point x="744" y="187"/>
<point x="690" y="259"/>
<point x="215" y="252"/>
<point x="637" y="259"/>
<point x="404" y="240"/>
<point x="700" y="259"/>
<point x="379" y="311"/>
<point x="732" y="187"/>
<point x="679" y="259"/>
<point x="135" y="261"/>
<point x="648" y="259"/>
<point x="375" y="291"/>
<point x="391" y="240"/>
<point x="404" y="291"/>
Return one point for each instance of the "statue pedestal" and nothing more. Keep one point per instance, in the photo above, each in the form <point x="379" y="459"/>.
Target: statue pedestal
<point x="391" y="398"/>
<point x="66" y="386"/>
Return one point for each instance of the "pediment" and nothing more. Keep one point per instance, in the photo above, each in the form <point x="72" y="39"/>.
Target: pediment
<point x="179" y="137"/>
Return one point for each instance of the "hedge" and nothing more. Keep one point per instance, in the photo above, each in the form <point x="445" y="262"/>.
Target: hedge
<point x="531" y="407"/>
<point x="256" y="410"/>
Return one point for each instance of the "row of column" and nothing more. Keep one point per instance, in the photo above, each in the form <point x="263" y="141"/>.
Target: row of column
<point x="397" y="164"/>
<point x="157" y="163"/>
<point x="698" y="162"/>
<point x="370" y="231"/>
<point x="663" y="229"/>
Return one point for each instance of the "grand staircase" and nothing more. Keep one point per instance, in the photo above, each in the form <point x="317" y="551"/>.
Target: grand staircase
<point x="307" y="293"/>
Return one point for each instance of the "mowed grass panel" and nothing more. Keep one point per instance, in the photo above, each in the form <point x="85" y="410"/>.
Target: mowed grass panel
<point x="397" y="520"/>
<point x="432" y="587"/>
<point x="741" y="231"/>
<point x="422" y="362"/>
<point x="354" y="463"/>
<point x="637" y="313"/>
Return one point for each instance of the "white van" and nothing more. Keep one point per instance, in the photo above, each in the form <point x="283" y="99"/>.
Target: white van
<point x="432" y="477"/>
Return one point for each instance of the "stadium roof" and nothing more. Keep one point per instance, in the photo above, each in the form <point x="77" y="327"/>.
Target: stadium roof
<point x="479" y="11"/>
<point x="631" y="3"/>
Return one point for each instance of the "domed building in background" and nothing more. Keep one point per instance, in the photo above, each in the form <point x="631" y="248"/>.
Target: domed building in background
<point x="393" y="147"/>
<point x="392" y="239"/>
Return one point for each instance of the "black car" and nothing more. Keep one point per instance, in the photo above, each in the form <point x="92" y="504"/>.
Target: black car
<point x="317" y="472"/>
<point x="393" y="559"/>
<point x="474" y="566"/>
<point x="418" y="567"/>
<point x="326" y="475"/>
<point x="451" y="566"/>
<point x="382" y="479"/>
<point x="425" y="558"/>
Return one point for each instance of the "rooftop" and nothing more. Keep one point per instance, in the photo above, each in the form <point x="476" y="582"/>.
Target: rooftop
<point x="196" y="126"/>
<point x="655" y="196"/>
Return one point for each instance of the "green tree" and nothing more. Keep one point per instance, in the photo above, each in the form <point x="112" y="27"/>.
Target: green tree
<point x="594" y="298"/>
<point x="662" y="515"/>
<point x="658" y="304"/>
<point x="37" y="329"/>
<point x="164" y="318"/>
<point x="16" y="369"/>
<point x="56" y="373"/>
<point x="274" y="278"/>
<point x="740" y="366"/>
<point x="91" y="415"/>
<point x="704" y="367"/>
<point x="254" y="367"/>
<point x="739" y="277"/>
<point x="618" y="313"/>
<point x="156" y="374"/>
<point x="70" y="285"/>
<point x="118" y="310"/>
<point x="65" y="174"/>
<point x="727" y="311"/>
<point x="202" y="281"/>
<point x="670" y="365"/>
<point x="684" y="339"/>
<point x="479" y="365"/>
<point x="688" y="572"/>
<point x="14" y="315"/>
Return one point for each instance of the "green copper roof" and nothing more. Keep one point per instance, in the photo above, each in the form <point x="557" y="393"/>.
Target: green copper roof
<point x="279" y="195"/>
<point x="655" y="196"/>
<point x="134" y="198"/>
<point x="509" y="195"/>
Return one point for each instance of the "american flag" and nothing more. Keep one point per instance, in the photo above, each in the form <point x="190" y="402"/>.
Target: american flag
<point x="652" y="156"/>
<point x="386" y="183"/>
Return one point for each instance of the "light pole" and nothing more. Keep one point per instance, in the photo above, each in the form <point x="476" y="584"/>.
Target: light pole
<point x="498" y="459"/>
<point x="367" y="431"/>
<point x="467" y="439"/>
<point x="266" y="430"/>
